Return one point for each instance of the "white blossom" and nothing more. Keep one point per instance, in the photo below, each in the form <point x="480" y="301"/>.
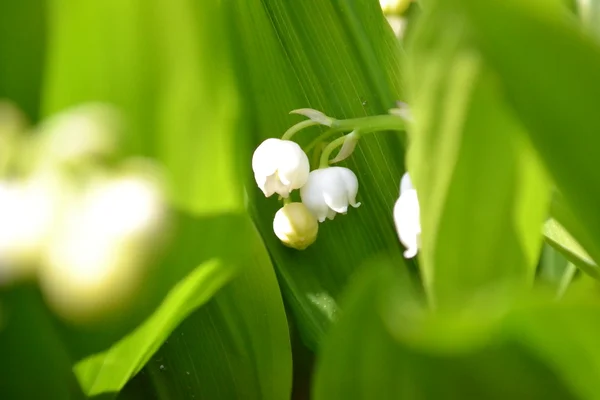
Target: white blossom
<point x="97" y="257"/>
<point x="407" y="217"/>
<point x="329" y="191"/>
<point x="295" y="226"/>
<point x="280" y="166"/>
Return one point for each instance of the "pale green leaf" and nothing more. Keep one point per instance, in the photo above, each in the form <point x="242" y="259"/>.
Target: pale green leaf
<point x="483" y="193"/>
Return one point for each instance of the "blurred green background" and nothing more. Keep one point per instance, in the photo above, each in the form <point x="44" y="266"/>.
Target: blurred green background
<point x="502" y="147"/>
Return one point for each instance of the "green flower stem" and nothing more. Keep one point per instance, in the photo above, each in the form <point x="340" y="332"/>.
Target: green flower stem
<point x="360" y="126"/>
<point x="298" y="127"/>
<point x="324" y="163"/>
<point x="364" y="125"/>
<point x="375" y="123"/>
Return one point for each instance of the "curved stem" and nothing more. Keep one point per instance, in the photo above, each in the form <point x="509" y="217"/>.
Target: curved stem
<point x="325" y="135"/>
<point x="298" y="127"/>
<point x="324" y="163"/>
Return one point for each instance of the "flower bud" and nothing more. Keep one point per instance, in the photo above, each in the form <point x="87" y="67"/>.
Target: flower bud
<point x="329" y="191"/>
<point x="295" y="226"/>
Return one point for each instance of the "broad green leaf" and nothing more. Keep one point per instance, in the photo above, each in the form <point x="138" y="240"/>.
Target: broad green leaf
<point x="168" y="67"/>
<point x="22" y="49"/>
<point x="564" y="337"/>
<point x="157" y="61"/>
<point x="249" y="311"/>
<point x="35" y="363"/>
<point x="555" y="96"/>
<point x="482" y="192"/>
<point x="235" y="347"/>
<point x="341" y="58"/>
<point x="386" y="347"/>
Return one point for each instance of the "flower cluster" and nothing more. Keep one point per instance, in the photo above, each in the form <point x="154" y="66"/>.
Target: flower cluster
<point x="281" y="166"/>
<point x="73" y="218"/>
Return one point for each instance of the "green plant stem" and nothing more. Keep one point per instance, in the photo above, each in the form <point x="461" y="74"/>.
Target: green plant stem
<point x="375" y="123"/>
<point x="298" y="127"/>
<point x="364" y="125"/>
<point x="324" y="163"/>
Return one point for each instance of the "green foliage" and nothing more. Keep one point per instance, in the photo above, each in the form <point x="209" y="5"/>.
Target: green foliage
<point x="501" y="146"/>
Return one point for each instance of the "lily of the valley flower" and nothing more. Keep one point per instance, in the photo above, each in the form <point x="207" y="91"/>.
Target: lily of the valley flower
<point x="280" y="166"/>
<point x="329" y="191"/>
<point x="96" y="259"/>
<point x="407" y="217"/>
<point x="295" y="226"/>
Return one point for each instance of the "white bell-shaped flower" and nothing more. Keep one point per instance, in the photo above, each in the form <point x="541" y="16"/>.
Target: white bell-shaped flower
<point x="329" y="191"/>
<point x="280" y="166"/>
<point x="407" y="217"/>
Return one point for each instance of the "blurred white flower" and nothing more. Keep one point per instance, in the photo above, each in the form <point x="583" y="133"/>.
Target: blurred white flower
<point x="28" y="213"/>
<point x="407" y="217"/>
<point x="78" y="134"/>
<point x="280" y="166"/>
<point x="295" y="226"/>
<point x="98" y="256"/>
<point x="329" y="191"/>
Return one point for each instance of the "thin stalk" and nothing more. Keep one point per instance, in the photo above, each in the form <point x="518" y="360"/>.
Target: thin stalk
<point x="324" y="163"/>
<point x="298" y="127"/>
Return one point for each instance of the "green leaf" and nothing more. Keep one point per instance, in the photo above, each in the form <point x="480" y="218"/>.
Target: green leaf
<point x="482" y="192"/>
<point x="554" y="97"/>
<point x="167" y="66"/>
<point x="561" y="240"/>
<point x="237" y="346"/>
<point x="248" y="311"/>
<point x="178" y="106"/>
<point x="36" y="363"/>
<point x="564" y="337"/>
<point x="386" y="347"/>
<point x="340" y="58"/>
<point x="22" y="50"/>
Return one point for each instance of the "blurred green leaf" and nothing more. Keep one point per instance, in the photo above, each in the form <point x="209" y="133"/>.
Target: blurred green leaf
<point x="35" y="363"/>
<point x="151" y="59"/>
<point x="342" y="58"/>
<point x="235" y="347"/>
<point x="564" y="336"/>
<point x="589" y="13"/>
<point x="386" y="347"/>
<point x="561" y="240"/>
<point x="248" y="311"/>
<point x="549" y="72"/>
<point x="22" y="51"/>
<point x="168" y="67"/>
<point x="483" y="194"/>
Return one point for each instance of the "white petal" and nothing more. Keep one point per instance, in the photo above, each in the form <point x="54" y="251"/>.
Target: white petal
<point x="406" y="183"/>
<point x="330" y="190"/>
<point x="293" y="166"/>
<point x="264" y="159"/>
<point x="312" y="196"/>
<point x="406" y="217"/>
